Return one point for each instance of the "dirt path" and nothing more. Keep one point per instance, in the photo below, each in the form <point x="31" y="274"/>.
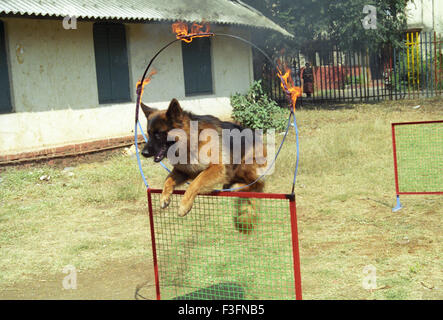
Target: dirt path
<point x="115" y="280"/>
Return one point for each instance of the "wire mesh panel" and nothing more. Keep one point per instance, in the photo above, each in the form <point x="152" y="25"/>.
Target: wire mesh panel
<point x="227" y="247"/>
<point x="418" y="157"/>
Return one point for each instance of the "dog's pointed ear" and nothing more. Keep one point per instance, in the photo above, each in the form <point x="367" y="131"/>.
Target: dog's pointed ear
<point x="147" y="110"/>
<point x="174" y="111"/>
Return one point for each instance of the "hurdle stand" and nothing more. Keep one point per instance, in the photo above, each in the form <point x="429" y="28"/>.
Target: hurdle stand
<point x="204" y="256"/>
<point x="418" y="158"/>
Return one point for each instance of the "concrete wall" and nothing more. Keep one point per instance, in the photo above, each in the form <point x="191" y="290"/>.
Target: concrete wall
<point x="54" y="88"/>
<point x="231" y="68"/>
<point x="426" y="15"/>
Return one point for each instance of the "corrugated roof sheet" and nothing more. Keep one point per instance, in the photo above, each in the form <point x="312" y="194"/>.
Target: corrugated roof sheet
<point x="213" y="11"/>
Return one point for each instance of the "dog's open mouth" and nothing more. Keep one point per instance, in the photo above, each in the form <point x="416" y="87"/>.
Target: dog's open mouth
<point x="161" y="154"/>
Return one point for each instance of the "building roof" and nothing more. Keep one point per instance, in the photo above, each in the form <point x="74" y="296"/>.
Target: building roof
<point x="213" y="11"/>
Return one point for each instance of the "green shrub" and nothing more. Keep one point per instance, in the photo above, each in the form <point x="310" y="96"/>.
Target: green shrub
<point x="256" y="110"/>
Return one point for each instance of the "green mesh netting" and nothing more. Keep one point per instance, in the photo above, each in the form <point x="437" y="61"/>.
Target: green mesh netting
<point x="419" y="151"/>
<point x="215" y="253"/>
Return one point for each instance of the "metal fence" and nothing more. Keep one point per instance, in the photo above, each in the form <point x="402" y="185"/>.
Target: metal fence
<point x="414" y="71"/>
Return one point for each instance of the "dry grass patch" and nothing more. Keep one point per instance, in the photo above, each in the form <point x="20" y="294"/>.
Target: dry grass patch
<point x="345" y="191"/>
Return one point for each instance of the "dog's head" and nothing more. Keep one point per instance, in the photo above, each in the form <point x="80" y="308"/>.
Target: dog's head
<point x="160" y="122"/>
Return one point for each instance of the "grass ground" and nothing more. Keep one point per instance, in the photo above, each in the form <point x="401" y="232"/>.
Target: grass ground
<point x="96" y="218"/>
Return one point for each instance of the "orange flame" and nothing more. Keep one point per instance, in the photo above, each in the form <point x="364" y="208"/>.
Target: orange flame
<point x="287" y="84"/>
<point x="141" y="86"/>
<point x="182" y="31"/>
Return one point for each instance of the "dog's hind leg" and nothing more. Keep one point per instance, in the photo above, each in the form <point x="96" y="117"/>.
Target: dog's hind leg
<point x="246" y="216"/>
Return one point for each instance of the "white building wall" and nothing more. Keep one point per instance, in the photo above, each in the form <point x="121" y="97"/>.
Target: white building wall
<point x="426" y="15"/>
<point x="54" y="87"/>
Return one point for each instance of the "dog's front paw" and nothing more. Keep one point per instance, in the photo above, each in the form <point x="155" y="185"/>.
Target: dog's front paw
<point x="164" y="201"/>
<point x="184" y="208"/>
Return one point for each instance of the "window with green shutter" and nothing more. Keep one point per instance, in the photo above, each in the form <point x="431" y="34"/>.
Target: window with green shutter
<point x="5" y="89"/>
<point x="111" y="61"/>
<point x="197" y="66"/>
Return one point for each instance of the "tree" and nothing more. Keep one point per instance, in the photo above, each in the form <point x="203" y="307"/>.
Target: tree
<point x="339" y="21"/>
<point x="347" y="23"/>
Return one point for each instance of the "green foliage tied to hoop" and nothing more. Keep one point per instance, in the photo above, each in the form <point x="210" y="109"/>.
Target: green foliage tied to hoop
<point x="256" y="110"/>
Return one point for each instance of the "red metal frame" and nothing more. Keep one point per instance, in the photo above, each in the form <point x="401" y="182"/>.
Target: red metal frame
<point x="416" y="122"/>
<point x="394" y="148"/>
<point x="154" y="247"/>
<point x="421" y="192"/>
<point x="260" y="195"/>
<point x="295" y="249"/>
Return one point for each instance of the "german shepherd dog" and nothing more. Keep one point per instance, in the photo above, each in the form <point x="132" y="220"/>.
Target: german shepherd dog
<point x="204" y="176"/>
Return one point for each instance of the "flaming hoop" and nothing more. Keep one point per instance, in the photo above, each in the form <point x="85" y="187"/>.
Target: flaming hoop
<point x="181" y="30"/>
<point x="140" y="87"/>
<point x="287" y="84"/>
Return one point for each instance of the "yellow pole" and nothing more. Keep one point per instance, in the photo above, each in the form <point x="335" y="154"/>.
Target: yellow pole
<point x="409" y="71"/>
<point x="417" y="44"/>
<point x="413" y="63"/>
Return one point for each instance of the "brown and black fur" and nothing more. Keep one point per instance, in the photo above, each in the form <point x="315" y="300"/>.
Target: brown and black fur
<point x="205" y="177"/>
